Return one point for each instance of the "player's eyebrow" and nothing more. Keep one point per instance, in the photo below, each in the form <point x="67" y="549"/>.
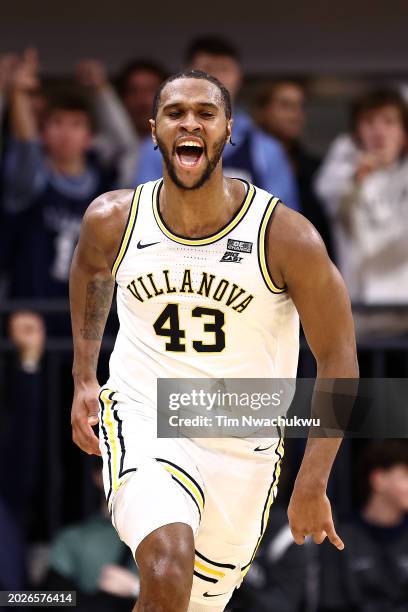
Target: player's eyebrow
<point x="206" y="104"/>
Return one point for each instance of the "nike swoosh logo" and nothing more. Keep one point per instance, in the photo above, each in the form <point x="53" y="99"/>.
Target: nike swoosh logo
<point x="258" y="448"/>
<point x="207" y="594"/>
<point x="143" y="246"/>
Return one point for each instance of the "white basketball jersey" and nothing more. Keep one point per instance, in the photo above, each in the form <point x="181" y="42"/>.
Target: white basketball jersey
<point x="196" y="308"/>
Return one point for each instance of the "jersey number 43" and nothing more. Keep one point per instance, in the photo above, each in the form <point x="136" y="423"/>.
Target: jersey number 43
<point x="168" y="324"/>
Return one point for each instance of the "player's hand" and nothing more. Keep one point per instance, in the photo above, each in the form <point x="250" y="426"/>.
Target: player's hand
<point x="309" y="513"/>
<point x="118" y="581"/>
<point x="84" y="416"/>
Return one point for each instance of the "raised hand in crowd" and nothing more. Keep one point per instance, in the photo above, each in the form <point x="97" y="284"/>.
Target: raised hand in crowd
<point x="27" y="333"/>
<point x="91" y="73"/>
<point x="25" y="75"/>
<point x="24" y="83"/>
<point x="116" y="142"/>
<point x="8" y="63"/>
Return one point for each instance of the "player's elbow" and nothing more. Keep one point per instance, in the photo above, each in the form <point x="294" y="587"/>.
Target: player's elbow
<point x="340" y="361"/>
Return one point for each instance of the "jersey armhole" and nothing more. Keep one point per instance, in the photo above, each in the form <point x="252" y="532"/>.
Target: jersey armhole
<point x="128" y="231"/>
<point x="262" y="256"/>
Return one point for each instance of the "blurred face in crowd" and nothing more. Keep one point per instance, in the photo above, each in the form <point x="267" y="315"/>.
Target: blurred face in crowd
<point x="381" y="132"/>
<point x="138" y="98"/>
<point x="67" y="135"/>
<point x="284" y="115"/>
<point x="392" y="485"/>
<point x="225" y="68"/>
<point x="191" y="130"/>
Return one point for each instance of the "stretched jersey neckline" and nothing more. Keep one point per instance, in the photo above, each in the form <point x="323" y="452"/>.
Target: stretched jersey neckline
<point x="232" y="223"/>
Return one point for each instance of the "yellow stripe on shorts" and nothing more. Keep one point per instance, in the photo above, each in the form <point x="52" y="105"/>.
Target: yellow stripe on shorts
<point x="186" y="481"/>
<point x="269" y="501"/>
<point x="110" y="438"/>
<point x="209" y="570"/>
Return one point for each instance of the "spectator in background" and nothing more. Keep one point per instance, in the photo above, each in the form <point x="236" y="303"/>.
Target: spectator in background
<point x="280" y="111"/>
<point x="363" y="183"/>
<point x="122" y="120"/>
<point x="371" y="574"/>
<point x="279" y="577"/>
<point x="8" y="65"/>
<point x="22" y="439"/>
<point x="12" y="552"/>
<point x="23" y="420"/>
<point x="257" y="157"/>
<point x="137" y="86"/>
<point x="48" y="183"/>
<point x="90" y="559"/>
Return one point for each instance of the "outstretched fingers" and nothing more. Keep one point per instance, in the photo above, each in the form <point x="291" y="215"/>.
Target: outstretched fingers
<point x="333" y="537"/>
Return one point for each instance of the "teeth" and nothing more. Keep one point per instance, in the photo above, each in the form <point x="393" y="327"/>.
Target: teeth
<point x="190" y="143"/>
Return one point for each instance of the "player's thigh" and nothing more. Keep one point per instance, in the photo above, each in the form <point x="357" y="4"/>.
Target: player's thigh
<point x="149" y="499"/>
<point x="148" y="482"/>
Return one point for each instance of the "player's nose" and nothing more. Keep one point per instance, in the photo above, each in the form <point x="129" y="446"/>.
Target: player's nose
<point x="190" y="122"/>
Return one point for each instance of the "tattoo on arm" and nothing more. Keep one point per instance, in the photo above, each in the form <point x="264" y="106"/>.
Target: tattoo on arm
<point x="98" y="301"/>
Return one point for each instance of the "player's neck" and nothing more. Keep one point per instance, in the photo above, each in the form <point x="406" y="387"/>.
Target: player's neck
<point x="200" y="212"/>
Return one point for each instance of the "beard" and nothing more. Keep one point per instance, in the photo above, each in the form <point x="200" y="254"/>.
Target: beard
<point x="208" y="170"/>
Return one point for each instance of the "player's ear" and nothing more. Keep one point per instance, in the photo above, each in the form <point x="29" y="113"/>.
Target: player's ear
<point x="153" y="128"/>
<point x="229" y="129"/>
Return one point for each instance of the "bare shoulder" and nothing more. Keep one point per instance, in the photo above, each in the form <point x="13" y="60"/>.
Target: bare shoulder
<point x="294" y="244"/>
<point x="105" y="218"/>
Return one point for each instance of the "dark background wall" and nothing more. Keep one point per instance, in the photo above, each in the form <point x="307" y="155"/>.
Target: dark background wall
<point x="289" y="35"/>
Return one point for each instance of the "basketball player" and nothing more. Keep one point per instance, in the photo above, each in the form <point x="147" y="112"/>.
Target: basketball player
<point x="211" y="276"/>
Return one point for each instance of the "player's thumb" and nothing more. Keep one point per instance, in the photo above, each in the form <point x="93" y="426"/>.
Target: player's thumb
<point x="93" y="409"/>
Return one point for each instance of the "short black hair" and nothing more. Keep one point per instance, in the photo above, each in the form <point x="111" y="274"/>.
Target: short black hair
<point x="379" y="454"/>
<point x="74" y="100"/>
<point x="194" y="74"/>
<point x="213" y="45"/>
<point x="139" y="65"/>
<point x="376" y="99"/>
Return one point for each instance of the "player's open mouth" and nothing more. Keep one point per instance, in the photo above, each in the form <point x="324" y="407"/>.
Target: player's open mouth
<point x="189" y="153"/>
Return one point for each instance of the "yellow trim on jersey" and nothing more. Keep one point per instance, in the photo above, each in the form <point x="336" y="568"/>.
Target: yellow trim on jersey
<point x="210" y="239"/>
<point x="204" y="568"/>
<point x="261" y="248"/>
<point x="271" y="498"/>
<point x="188" y="483"/>
<point x="107" y="419"/>
<point x="128" y="231"/>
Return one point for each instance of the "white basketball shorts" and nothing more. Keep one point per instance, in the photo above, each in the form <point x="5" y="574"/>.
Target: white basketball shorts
<point x="222" y="487"/>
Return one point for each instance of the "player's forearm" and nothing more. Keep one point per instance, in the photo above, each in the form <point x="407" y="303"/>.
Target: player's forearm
<point x="90" y="298"/>
<point x="23" y="122"/>
<point x="335" y="390"/>
<point x="317" y="462"/>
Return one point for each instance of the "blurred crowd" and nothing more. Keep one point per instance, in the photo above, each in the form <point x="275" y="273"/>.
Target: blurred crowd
<point x="64" y="141"/>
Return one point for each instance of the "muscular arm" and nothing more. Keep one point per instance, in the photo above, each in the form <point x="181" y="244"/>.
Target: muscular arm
<point x="91" y="288"/>
<point x="298" y="258"/>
